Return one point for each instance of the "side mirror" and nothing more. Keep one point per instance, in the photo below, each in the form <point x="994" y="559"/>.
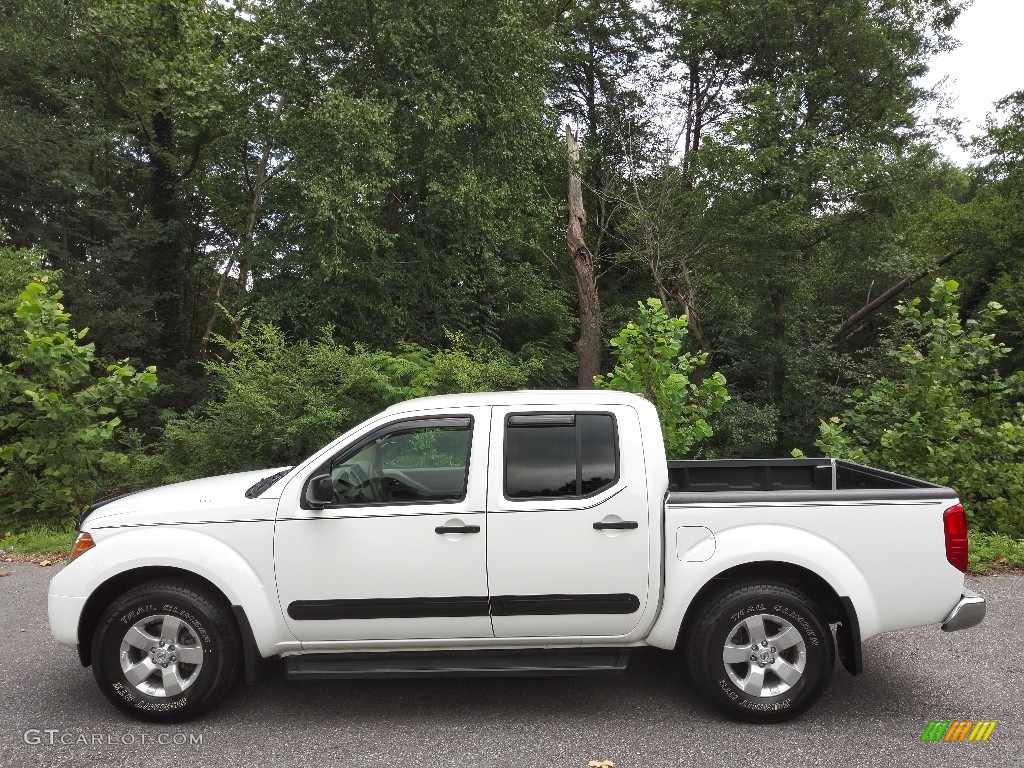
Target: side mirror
<point x="320" y="491"/>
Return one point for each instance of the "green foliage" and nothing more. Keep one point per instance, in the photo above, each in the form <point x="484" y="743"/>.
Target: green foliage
<point x="743" y="430"/>
<point x="990" y="551"/>
<point x="40" y="538"/>
<point x="272" y="402"/>
<point x="18" y="266"/>
<point x="950" y="417"/>
<point x="57" y="449"/>
<point x="394" y="170"/>
<point x="650" y="362"/>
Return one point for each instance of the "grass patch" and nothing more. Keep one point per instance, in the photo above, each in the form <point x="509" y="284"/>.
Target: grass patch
<point x="988" y="552"/>
<point x="41" y="539"/>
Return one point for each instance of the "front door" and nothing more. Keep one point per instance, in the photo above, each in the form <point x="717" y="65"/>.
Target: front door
<point x="568" y="529"/>
<point x="400" y="552"/>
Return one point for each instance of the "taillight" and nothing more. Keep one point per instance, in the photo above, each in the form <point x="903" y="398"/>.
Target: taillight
<point x="954" y="523"/>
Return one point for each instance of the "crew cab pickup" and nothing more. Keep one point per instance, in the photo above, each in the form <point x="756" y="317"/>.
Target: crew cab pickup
<point x="522" y="533"/>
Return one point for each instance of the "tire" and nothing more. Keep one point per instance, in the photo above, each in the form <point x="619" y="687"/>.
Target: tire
<point x="789" y="669"/>
<point x="166" y="652"/>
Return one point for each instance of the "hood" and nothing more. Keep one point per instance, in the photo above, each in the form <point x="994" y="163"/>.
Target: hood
<point x="208" y="499"/>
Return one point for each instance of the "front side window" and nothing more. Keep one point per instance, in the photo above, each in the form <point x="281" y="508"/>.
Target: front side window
<point x="559" y="456"/>
<point x="423" y="463"/>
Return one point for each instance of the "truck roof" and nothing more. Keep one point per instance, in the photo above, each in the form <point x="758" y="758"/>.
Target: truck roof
<point x="567" y="397"/>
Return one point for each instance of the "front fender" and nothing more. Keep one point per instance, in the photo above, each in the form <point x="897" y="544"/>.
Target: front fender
<point x="247" y="580"/>
<point x="749" y="544"/>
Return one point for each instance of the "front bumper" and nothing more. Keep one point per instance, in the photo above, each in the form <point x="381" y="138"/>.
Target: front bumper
<point x="969" y="612"/>
<point x="64" y="614"/>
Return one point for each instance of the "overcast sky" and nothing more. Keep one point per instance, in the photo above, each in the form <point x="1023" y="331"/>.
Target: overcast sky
<point x="988" y="65"/>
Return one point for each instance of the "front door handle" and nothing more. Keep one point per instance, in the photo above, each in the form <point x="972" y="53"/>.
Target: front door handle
<point x="622" y="525"/>
<point x="457" y="529"/>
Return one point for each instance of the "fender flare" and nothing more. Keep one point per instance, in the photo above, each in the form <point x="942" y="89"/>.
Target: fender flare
<point x="748" y="545"/>
<point x="127" y="556"/>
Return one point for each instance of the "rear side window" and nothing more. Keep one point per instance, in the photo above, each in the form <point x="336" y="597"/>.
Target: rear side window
<point x="559" y="455"/>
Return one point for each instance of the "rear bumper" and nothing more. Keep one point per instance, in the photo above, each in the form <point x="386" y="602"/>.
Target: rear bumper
<point x="969" y="612"/>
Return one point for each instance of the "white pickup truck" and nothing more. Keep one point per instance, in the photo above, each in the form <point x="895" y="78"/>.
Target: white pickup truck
<point x="522" y="533"/>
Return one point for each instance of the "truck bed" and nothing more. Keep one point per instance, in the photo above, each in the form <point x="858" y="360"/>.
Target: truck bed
<point x="807" y="478"/>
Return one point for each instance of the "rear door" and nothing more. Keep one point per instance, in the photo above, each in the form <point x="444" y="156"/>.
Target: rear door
<point x="567" y="524"/>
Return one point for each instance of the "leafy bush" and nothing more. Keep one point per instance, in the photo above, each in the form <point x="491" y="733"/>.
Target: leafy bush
<point x="951" y="418"/>
<point x="650" y="362"/>
<point x="57" y="449"/>
<point x="273" y="402"/>
<point x="990" y="551"/>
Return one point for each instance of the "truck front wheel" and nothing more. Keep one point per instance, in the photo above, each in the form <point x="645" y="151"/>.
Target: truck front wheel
<point x="166" y="652"/>
<point x="760" y="652"/>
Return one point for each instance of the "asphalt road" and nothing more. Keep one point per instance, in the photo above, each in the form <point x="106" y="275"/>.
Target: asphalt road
<point x="51" y="712"/>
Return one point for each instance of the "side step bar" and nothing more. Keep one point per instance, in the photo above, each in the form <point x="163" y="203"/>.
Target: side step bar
<point x="331" y="666"/>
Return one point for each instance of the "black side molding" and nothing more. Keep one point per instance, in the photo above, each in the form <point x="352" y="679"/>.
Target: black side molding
<point x="428" y="607"/>
<point x="388" y="608"/>
<point x="558" y="605"/>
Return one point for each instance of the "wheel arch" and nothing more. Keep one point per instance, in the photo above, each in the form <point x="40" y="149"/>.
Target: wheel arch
<point x="836" y="608"/>
<point x="107" y="592"/>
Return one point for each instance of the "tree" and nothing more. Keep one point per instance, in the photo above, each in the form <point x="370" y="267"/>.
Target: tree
<point x="801" y="168"/>
<point x="432" y="209"/>
<point x="986" y="215"/>
<point x="273" y="400"/>
<point x="603" y="66"/>
<point x="57" y="432"/>
<point x="650" y="361"/>
<point x="589" y="345"/>
<point x="948" y="414"/>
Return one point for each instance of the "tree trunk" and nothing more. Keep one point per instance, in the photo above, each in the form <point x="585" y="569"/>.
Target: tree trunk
<point x="589" y="345"/>
<point x="245" y="244"/>
<point x="858" y="317"/>
<point x="170" y="253"/>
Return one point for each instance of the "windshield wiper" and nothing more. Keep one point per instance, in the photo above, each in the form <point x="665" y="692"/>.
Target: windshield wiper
<point x="265" y="483"/>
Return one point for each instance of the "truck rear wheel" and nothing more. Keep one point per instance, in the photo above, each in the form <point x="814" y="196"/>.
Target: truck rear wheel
<point x="760" y="652"/>
<point x="165" y="652"/>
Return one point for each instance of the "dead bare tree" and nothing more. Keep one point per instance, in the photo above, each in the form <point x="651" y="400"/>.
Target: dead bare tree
<point x="588" y="348"/>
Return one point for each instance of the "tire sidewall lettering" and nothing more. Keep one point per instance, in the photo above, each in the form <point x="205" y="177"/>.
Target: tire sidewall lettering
<point x="203" y="614"/>
<point x="757" y="703"/>
<point x="713" y="631"/>
<point x="184" y="615"/>
<point x="797" y="619"/>
<point x="137" y="698"/>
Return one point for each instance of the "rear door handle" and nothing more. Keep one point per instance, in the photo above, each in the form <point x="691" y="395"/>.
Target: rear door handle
<point x="457" y="529"/>
<point x="620" y="526"/>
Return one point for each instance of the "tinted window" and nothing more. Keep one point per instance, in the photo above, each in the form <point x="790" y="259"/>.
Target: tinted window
<point x="597" y="444"/>
<point x="540" y="461"/>
<point x="559" y="455"/>
<point x="422" y="464"/>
